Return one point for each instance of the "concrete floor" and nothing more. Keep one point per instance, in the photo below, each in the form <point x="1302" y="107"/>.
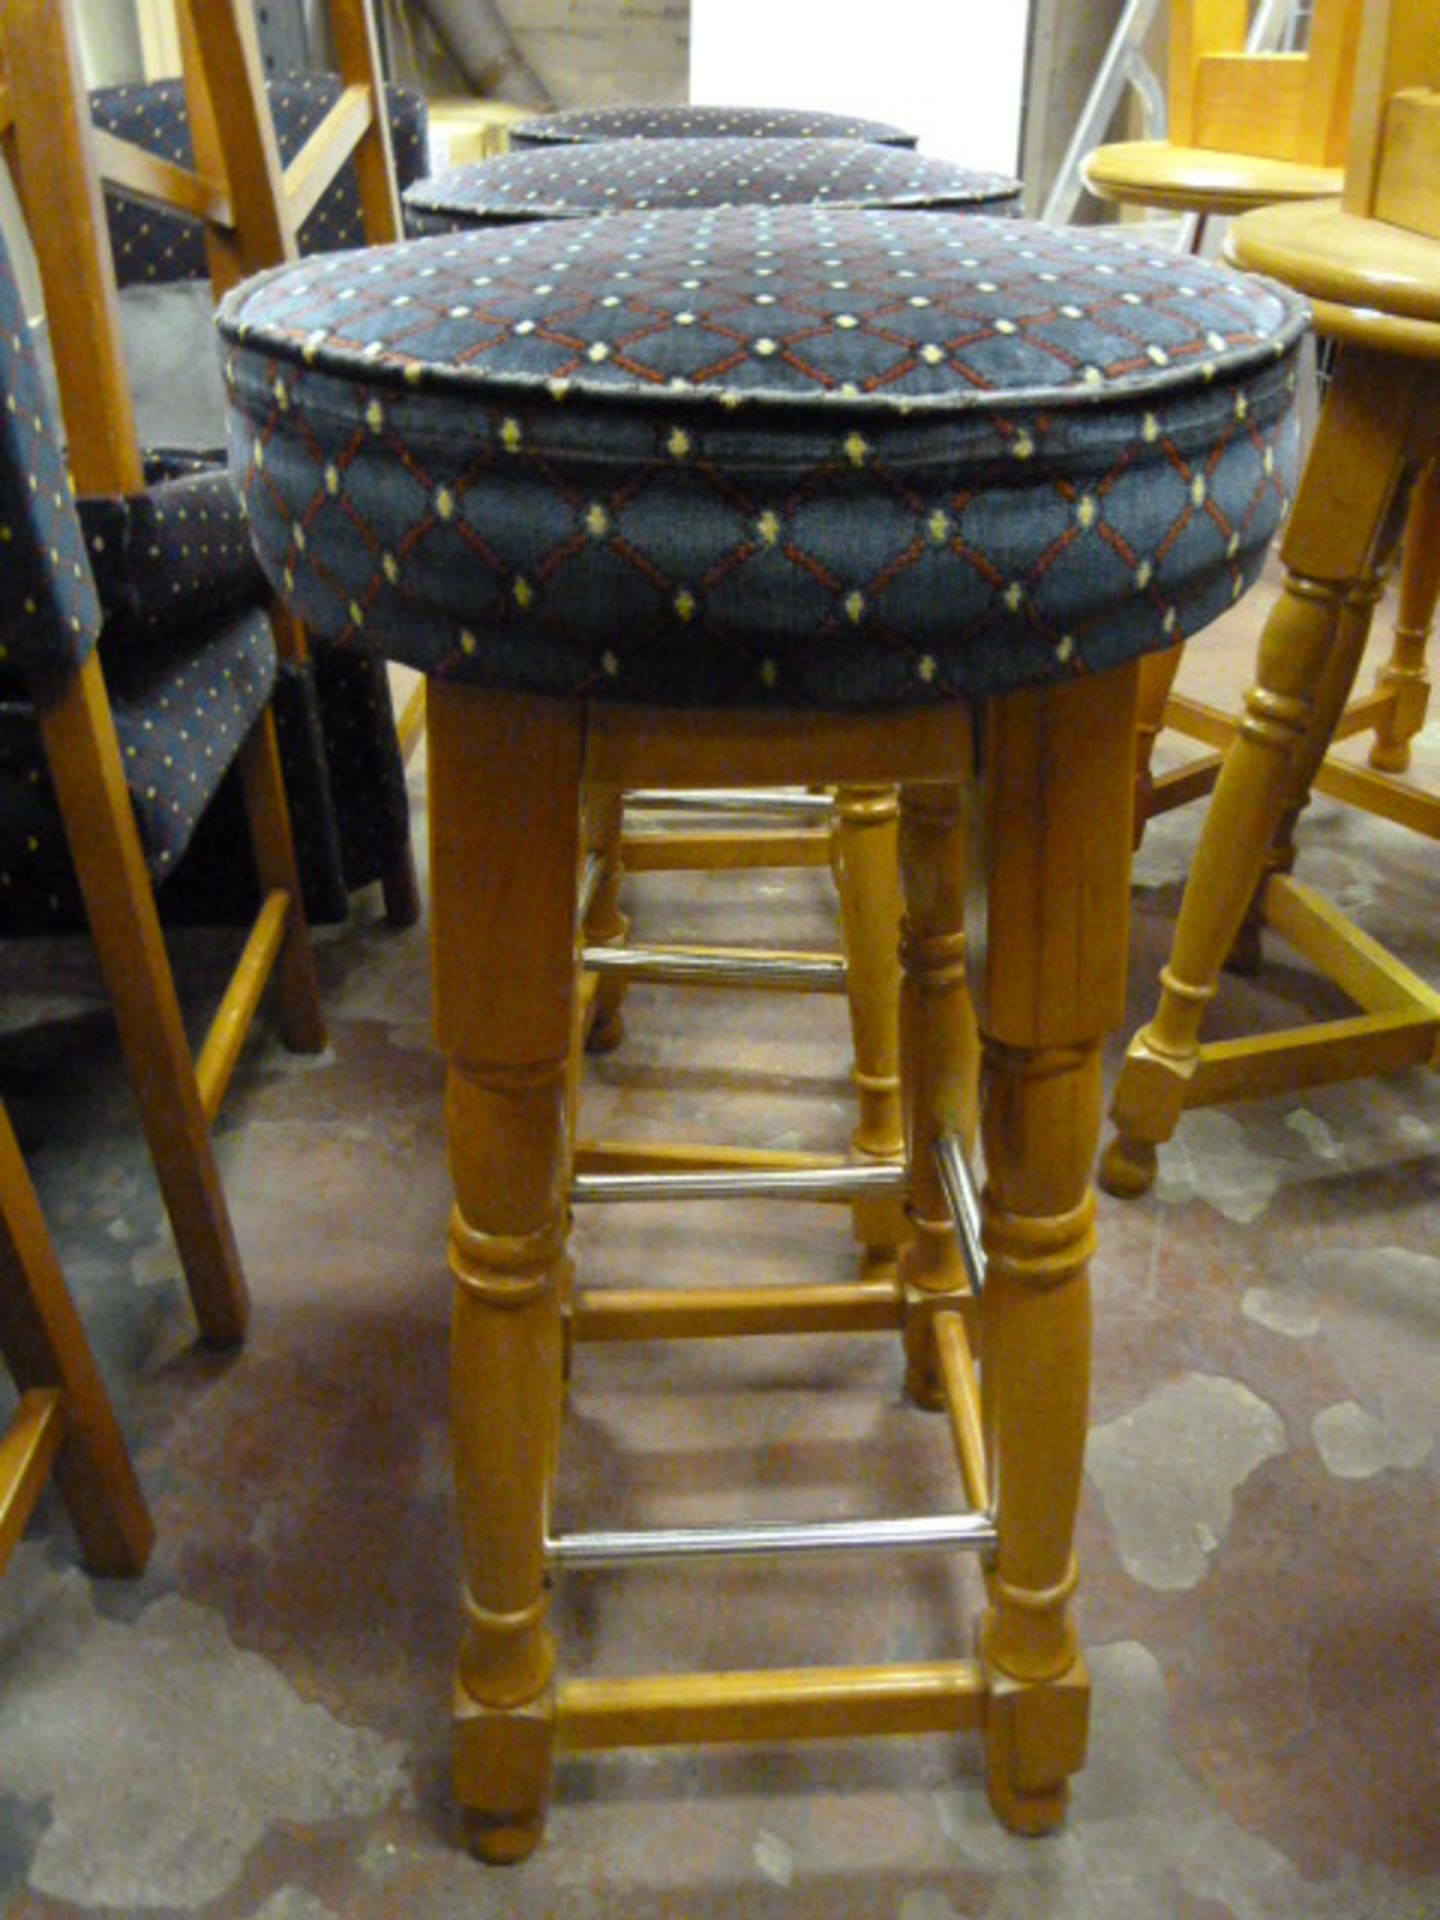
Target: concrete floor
<point x="258" y="1727"/>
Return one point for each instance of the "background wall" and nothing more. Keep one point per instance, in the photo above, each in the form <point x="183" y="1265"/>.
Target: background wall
<point x="952" y="70"/>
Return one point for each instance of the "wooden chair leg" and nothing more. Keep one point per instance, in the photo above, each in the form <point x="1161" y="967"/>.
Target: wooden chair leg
<point x="400" y="889"/>
<point x="1050" y="984"/>
<point x="1404" y="674"/>
<point x="84" y="761"/>
<point x="1351" y="478"/>
<point x="940" y="1063"/>
<point x="46" y="1350"/>
<point x="605" y="924"/>
<point x="505" y="832"/>
<point x="1157" y="677"/>
<point x="867" y="877"/>
<point x="263" y="786"/>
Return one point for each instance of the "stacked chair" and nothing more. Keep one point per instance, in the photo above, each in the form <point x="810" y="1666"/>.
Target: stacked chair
<point x="309" y="162"/>
<point x="50" y="616"/>
<point x="879" y="498"/>
<point x="1370" y="264"/>
<point x="122" y="715"/>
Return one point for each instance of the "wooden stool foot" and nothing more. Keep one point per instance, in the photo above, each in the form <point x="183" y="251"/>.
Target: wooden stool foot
<point x="503" y="1762"/>
<point x="606" y="1030"/>
<point x="1036" y="1739"/>
<point x="1127" y="1167"/>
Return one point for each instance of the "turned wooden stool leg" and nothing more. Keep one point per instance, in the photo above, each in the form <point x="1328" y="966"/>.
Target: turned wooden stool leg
<point x="1049" y="984"/>
<point x="940" y="1057"/>
<point x="605" y="924"/>
<point x="1404" y="673"/>
<point x="1350" y="479"/>
<point x="504" y="823"/>
<point x="867" y="878"/>
<point x="1157" y="677"/>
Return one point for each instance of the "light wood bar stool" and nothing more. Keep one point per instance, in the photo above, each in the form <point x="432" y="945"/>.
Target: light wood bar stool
<point x="1371" y="265"/>
<point x="1250" y="130"/>
<point x="1006" y="462"/>
<point x="855" y="829"/>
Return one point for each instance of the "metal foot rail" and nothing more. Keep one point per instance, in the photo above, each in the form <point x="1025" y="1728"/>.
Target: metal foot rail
<point x="840" y="1182"/>
<point x="972" y="1532"/>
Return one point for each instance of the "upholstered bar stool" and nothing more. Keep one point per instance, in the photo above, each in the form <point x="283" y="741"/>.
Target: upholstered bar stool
<point x="639" y="527"/>
<point x="573" y="126"/>
<point x="858" y="827"/>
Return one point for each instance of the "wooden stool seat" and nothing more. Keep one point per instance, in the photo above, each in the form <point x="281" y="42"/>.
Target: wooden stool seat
<point x="1368" y="273"/>
<point x="743" y="496"/>
<point x="1157" y="173"/>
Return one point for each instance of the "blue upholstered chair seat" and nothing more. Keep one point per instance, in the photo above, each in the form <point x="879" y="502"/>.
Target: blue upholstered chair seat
<point x="571" y="182"/>
<point x="584" y="124"/>
<point x="180" y="720"/>
<point x="791" y="457"/>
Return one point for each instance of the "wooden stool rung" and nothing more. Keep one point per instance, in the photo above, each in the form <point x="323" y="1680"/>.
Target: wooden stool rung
<point x="779" y="971"/>
<point x="809" y="1703"/>
<point x="962" y="1403"/>
<point x="715" y="852"/>
<point x="702" y="1313"/>
<point x="233" y="1017"/>
<point x="684" y="1156"/>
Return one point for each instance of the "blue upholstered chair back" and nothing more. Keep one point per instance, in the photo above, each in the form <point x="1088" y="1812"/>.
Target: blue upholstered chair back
<point x="151" y="245"/>
<point x="49" y="609"/>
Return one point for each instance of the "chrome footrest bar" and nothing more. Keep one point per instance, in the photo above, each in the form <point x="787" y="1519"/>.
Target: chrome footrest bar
<point x="678" y="967"/>
<point x="731" y="800"/>
<point x="974" y="1532"/>
<point x="589" y="885"/>
<point x="840" y="1182"/>
<point x="963" y="1199"/>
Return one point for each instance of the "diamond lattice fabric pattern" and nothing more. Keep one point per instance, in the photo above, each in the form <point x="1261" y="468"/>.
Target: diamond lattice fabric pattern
<point x="791" y="456"/>
<point x="634" y="175"/>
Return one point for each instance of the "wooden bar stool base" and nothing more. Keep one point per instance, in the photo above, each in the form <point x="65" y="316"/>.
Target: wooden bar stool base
<point x="507" y="776"/>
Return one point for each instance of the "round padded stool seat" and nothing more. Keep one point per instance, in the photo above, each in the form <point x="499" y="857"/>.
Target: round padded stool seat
<point x="790" y="458"/>
<point x="584" y="124"/>
<point x="635" y="175"/>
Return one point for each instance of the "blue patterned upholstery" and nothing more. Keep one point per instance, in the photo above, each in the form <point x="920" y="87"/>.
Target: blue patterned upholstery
<point x="584" y="124"/>
<point x="179" y="551"/>
<point x="188" y="673"/>
<point x="49" y="611"/>
<point x="792" y="457"/>
<point x="629" y="176"/>
<point x="335" y="719"/>
<point x="151" y="243"/>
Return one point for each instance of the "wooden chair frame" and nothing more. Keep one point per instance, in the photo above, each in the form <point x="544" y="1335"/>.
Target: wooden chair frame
<point x="53" y="158"/>
<point x="64" y="1420"/>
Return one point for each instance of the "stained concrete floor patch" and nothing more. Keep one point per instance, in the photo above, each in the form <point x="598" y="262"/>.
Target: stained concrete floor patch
<point x="1356" y="1444"/>
<point x="1168" y="1471"/>
<point x="1213" y="1159"/>
<point x="1144" y="1834"/>
<point x="203" y="1745"/>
